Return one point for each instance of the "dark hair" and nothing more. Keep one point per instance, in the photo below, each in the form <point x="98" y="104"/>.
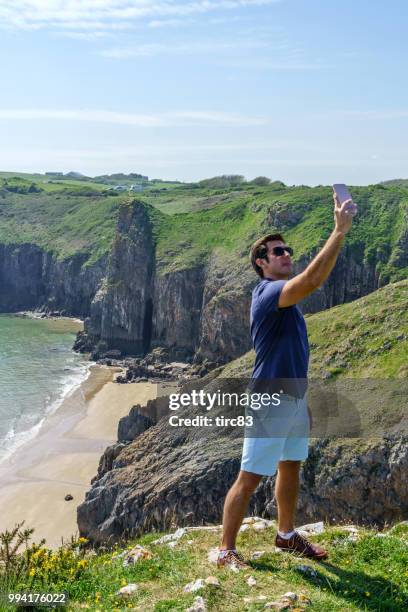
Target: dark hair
<point x="259" y="250"/>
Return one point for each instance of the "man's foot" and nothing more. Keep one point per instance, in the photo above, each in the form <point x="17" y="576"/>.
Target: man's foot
<point x="299" y="544"/>
<point x="230" y="558"/>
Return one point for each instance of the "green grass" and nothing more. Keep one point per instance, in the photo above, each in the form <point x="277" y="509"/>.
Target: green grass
<point x="194" y="221"/>
<point x="201" y="220"/>
<point x="366" y="338"/>
<point x="61" y="223"/>
<point x="48" y="183"/>
<point x="367" y="574"/>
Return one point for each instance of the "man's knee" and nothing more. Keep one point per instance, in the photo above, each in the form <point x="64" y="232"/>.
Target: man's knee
<point x="247" y="481"/>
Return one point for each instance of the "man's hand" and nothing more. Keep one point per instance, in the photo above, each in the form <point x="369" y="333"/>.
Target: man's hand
<point x="342" y="218"/>
<point x="301" y="285"/>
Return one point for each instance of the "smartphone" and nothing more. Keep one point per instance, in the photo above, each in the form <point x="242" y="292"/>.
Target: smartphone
<point x="343" y="194"/>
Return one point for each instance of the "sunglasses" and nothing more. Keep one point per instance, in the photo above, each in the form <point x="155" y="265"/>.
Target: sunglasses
<point x="279" y="250"/>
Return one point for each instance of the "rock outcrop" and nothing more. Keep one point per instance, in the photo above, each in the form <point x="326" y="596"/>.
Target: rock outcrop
<point x="121" y="311"/>
<point x="31" y="278"/>
<point x="178" y="475"/>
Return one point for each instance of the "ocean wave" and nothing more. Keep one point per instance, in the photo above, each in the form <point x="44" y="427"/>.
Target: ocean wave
<point x="76" y="375"/>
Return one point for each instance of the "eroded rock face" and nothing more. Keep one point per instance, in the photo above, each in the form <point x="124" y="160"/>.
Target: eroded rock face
<point x="107" y="459"/>
<point x="224" y="325"/>
<point x="177" y="476"/>
<point x="122" y="308"/>
<point x="177" y="311"/>
<point x="31" y="278"/>
<point x="133" y="425"/>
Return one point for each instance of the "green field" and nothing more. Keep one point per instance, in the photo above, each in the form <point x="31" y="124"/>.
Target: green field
<point x="193" y="220"/>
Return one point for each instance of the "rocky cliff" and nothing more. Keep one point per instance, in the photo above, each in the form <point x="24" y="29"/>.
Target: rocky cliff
<point x="121" y="311"/>
<point x="183" y="281"/>
<point x="33" y="279"/>
<point x="198" y="307"/>
<point x="176" y="476"/>
<point x="158" y="475"/>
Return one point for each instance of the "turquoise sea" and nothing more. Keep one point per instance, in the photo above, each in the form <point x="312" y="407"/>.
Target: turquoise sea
<point x="37" y="370"/>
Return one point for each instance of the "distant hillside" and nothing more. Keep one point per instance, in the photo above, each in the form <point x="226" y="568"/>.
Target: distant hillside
<point x="170" y="267"/>
<point x="396" y="183"/>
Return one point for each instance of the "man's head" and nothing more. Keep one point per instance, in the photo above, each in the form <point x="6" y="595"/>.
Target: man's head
<point x="269" y="261"/>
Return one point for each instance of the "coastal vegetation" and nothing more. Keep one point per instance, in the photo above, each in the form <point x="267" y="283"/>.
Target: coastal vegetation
<point x="366" y="570"/>
<point x="367" y="338"/>
<point x="224" y="213"/>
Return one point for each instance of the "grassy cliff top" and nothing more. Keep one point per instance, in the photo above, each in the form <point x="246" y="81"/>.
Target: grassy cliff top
<point x="232" y="221"/>
<point x="366" y="570"/>
<point x="192" y="221"/>
<point x="366" y="338"/>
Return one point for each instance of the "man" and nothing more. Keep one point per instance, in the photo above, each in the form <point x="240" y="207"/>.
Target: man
<point x="279" y="335"/>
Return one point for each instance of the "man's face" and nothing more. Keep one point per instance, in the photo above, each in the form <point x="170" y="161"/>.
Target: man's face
<point x="276" y="266"/>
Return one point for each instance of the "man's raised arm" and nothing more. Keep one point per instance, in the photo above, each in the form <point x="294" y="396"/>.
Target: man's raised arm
<point x="319" y="269"/>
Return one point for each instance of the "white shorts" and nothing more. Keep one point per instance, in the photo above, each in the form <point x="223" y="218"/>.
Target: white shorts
<point x="284" y="436"/>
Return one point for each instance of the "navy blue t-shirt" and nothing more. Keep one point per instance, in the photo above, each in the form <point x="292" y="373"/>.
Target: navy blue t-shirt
<point x="279" y="336"/>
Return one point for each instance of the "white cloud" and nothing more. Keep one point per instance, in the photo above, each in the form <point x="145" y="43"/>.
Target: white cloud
<point x="190" y="47"/>
<point x="171" y="119"/>
<point x="38" y="14"/>
<point x="96" y="35"/>
<point x="168" y="23"/>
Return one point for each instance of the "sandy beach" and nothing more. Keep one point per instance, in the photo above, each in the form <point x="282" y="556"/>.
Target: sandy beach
<point x="64" y="456"/>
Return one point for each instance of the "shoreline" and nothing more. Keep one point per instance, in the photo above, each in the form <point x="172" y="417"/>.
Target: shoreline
<point x="40" y="314"/>
<point x="64" y="455"/>
<point x="13" y="440"/>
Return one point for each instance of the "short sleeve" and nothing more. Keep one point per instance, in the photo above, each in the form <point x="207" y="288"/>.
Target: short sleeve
<point x="269" y="295"/>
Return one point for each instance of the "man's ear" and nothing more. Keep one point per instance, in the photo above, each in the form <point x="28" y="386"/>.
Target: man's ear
<point x="259" y="261"/>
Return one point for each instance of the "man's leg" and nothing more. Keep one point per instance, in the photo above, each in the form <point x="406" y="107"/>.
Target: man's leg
<point x="235" y="507"/>
<point x="286" y="493"/>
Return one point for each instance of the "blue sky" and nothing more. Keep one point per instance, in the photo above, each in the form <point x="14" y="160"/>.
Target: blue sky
<point x="304" y="91"/>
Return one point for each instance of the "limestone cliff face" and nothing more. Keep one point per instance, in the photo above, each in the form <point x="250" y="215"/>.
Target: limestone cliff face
<point x="203" y="311"/>
<point x="224" y="325"/>
<point x="177" y="307"/>
<point x="348" y="281"/>
<point x="121" y="311"/>
<point x="31" y="278"/>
